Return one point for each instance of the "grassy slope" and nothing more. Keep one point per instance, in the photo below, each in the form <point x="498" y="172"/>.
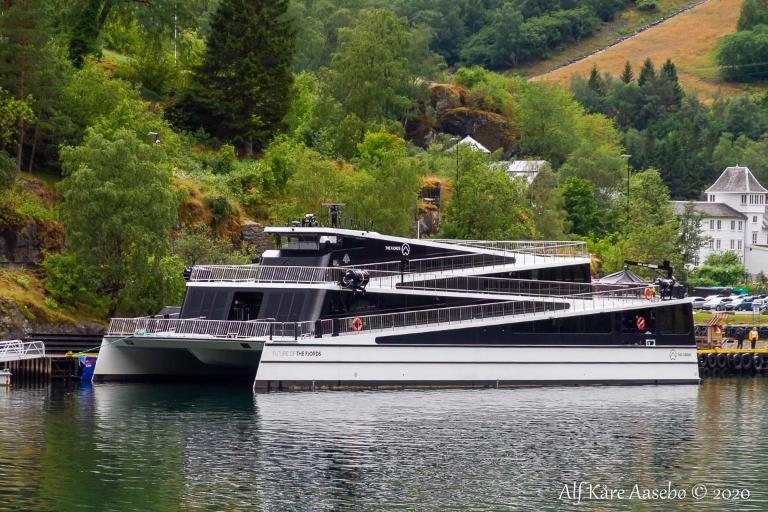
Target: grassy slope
<point x="689" y="39"/>
<point x="625" y="23"/>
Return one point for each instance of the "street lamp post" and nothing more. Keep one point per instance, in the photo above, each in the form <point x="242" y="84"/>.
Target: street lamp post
<point x="626" y="158"/>
<point x="456" y="146"/>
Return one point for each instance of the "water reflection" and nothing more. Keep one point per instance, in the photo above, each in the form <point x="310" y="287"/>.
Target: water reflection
<point x="149" y="447"/>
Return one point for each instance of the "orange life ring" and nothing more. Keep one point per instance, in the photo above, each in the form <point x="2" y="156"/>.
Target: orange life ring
<point x="648" y="293"/>
<point x="357" y="324"/>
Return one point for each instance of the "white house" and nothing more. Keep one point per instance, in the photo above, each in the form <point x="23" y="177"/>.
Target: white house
<point x="526" y="169"/>
<point x="734" y="218"/>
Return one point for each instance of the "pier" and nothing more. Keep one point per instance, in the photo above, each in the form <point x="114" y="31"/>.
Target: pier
<point x="28" y="362"/>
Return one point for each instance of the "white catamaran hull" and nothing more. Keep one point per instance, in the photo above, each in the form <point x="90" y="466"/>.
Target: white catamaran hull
<point x="315" y="366"/>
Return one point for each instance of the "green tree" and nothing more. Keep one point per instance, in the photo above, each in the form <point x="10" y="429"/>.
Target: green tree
<point x="627" y="75"/>
<point x="389" y="200"/>
<point x="719" y="269"/>
<point x="486" y="204"/>
<point x="753" y="13"/>
<point x="547" y="206"/>
<point x="580" y="206"/>
<point x="647" y="73"/>
<point x="690" y="238"/>
<point x="743" y="56"/>
<point x="241" y="90"/>
<point x="370" y="74"/>
<point x="117" y="212"/>
<point x="25" y="33"/>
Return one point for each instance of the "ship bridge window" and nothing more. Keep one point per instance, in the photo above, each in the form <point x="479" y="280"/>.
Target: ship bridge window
<point x="206" y="303"/>
<point x="299" y="242"/>
<point x="245" y="306"/>
<point x="674" y="319"/>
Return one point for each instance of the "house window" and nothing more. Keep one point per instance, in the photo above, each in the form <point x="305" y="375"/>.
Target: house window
<point x="739" y="244"/>
<point x="743" y="199"/>
<point x="733" y="225"/>
<point x="712" y="198"/>
<point x="754" y="237"/>
<point x="754" y="218"/>
<point x="712" y="224"/>
<point x="710" y="243"/>
<point x="719" y="224"/>
<point x="733" y="244"/>
<point x="741" y="225"/>
<point x="717" y="243"/>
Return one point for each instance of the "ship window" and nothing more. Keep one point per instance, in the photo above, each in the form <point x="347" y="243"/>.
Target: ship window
<point x="245" y="306"/>
<point x="674" y="320"/>
<point x="298" y="242"/>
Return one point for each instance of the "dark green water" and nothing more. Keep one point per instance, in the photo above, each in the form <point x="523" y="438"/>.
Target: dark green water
<point x="165" y="448"/>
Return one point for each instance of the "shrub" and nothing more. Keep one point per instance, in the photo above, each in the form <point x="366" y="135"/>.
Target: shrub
<point x="646" y="5"/>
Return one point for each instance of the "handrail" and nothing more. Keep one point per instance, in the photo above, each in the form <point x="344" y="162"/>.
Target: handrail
<point x="439" y="263"/>
<point x="266" y="273"/>
<point x="227" y="329"/>
<point x="536" y="247"/>
<point x="388" y="321"/>
<point x="15" y="350"/>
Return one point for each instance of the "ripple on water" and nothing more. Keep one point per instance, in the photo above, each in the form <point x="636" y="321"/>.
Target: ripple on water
<point x="143" y="447"/>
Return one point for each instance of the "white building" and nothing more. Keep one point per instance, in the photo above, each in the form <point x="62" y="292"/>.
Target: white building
<point x="734" y="218"/>
<point x="526" y="169"/>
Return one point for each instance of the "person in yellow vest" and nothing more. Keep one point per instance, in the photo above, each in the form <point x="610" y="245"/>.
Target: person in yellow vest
<point x="753" y="337"/>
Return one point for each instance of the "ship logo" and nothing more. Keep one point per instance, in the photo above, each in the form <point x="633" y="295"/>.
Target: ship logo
<point x="346" y="259"/>
<point x="405" y="250"/>
<point x="672" y="355"/>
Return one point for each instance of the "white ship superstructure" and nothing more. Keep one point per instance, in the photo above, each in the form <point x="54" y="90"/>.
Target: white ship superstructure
<point x="338" y="308"/>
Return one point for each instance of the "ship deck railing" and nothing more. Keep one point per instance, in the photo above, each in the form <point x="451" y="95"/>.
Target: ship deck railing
<point x="569" y="249"/>
<point x="505" y="254"/>
<point x="382" y="277"/>
<point x="520" y="308"/>
<point x="351" y="325"/>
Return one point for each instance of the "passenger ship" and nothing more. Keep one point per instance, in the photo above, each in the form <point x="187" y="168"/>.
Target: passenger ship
<point x="334" y="308"/>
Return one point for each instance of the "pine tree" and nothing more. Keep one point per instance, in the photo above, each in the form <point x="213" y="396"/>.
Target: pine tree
<point x="85" y="32"/>
<point x="240" y="92"/>
<point x="670" y="90"/>
<point x="647" y="73"/>
<point x="627" y="75"/>
<point x="596" y="82"/>
<point x="24" y="31"/>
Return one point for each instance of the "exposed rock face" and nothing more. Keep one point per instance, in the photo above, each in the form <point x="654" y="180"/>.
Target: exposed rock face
<point x="25" y="245"/>
<point x="17" y="321"/>
<point x="489" y="129"/>
<point x="253" y="236"/>
<point x="455" y="112"/>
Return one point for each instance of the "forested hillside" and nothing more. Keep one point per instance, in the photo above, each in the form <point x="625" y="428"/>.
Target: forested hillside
<point x="140" y="137"/>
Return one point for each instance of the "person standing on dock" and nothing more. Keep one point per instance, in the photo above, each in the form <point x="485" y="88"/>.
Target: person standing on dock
<point x="753" y="337"/>
<point x="740" y="335"/>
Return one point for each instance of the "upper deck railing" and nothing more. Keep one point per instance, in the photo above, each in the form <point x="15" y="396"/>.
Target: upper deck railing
<point x="286" y="331"/>
<point x="572" y="249"/>
<point x="440" y="263"/>
<point x="266" y="273"/>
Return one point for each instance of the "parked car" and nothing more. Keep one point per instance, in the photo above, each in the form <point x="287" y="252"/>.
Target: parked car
<point x="698" y="302"/>
<point x="735" y="303"/>
<point x="718" y="303"/>
<point x="745" y="304"/>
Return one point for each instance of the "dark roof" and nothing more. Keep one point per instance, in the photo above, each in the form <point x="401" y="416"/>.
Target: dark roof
<point x="736" y="179"/>
<point x="622" y="277"/>
<point x="708" y="209"/>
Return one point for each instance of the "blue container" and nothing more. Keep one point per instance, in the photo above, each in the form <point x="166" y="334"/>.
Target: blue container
<point x="88" y="364"/>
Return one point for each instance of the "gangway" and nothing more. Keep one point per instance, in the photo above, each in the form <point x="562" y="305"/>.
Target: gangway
<point x="17" y="350"/>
